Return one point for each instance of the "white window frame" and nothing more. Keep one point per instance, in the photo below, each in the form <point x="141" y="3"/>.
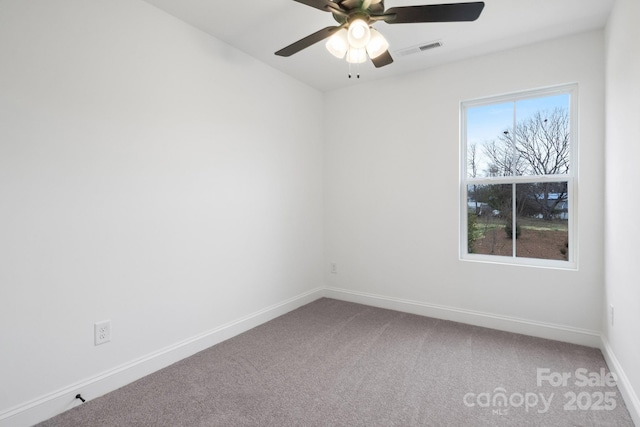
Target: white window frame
<point x="571" y="178"/>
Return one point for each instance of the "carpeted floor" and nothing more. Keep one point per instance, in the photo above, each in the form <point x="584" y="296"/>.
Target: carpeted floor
<point x="333" y="363"/>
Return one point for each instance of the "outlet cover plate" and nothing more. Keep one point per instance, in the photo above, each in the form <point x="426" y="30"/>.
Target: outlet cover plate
<point x="102" y="332"/>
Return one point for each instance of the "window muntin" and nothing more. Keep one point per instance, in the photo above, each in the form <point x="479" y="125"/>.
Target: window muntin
<point x="518" y="169"/>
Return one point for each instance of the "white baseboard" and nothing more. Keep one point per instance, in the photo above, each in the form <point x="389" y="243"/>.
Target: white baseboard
<point x="61" y="400"/>
<point x="624" y="385"/>
<point x="504" y="323"/>
<point x="510" y="324"/>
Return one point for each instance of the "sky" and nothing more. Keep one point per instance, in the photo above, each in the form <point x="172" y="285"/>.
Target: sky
<point x="487" y="122"/>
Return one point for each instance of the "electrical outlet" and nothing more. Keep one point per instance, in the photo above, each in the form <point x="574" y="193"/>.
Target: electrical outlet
<point x="102" y="332"/>
<point x="611" y="312"/>
<point x="334" y="268"/>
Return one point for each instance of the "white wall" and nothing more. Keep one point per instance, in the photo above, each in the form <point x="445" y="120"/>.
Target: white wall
<point x="622" y="207"/>
<point x="149" y="174"/>
<point x="392" y="193"/>
<point x="154" y="176"/>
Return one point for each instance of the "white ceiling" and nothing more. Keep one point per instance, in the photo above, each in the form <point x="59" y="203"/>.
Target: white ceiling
<point x="261" y="27"/>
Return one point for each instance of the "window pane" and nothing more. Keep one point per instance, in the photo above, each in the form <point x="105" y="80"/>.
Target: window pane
<point x="542" y="136"/>
<point x="487" y="153"/>
<point x="516" y="170"/>
<point x="542" y="221"/>
<point x="489" y="209"/>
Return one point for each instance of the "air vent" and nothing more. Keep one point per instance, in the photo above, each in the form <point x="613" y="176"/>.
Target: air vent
<point x="418" y="48"/>
<point x="430" y="46"/>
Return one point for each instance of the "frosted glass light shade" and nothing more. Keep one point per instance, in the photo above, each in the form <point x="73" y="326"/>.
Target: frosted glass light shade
<point x="356" y="56"/>
<point x="338" y="44"/>
<point x="358" y="34"/>
<point x="377" y="44"/>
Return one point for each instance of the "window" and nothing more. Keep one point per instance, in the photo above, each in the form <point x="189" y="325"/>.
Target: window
<point x="518" y="178"/>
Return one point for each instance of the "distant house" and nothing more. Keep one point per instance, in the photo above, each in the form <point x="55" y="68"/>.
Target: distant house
<point x="561" y="209"/>
<point x="478" y="208"/>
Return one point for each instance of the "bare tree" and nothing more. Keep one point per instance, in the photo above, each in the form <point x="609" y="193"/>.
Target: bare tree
<point x="540" y="146"/>
<point x="542" y="143"/>
<point x="472" y="160"/>
<point x="501" y="155"/>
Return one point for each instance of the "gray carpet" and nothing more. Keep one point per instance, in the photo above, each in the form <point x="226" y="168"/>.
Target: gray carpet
<point x="333" y="363"/>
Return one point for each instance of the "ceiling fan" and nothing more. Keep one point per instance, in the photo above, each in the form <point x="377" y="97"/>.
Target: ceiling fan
<point x="355" y="39"/>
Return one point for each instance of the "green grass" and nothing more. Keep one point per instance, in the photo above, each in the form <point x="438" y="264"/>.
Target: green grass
<point x="487" y="224"/>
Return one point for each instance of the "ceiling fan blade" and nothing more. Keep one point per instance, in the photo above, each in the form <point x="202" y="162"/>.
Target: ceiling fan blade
<point x="456" y="12"/>
<point x="382" y="60"/>
<point x="326" y="5"/>
<point x="308" y="41"/>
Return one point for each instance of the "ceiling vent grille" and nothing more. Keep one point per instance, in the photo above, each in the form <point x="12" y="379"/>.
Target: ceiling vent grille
<point x="429" y="46"/>
<point x="419" y="48"/>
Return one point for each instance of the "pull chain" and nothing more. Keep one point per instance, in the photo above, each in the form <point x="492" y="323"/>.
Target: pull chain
<point x="357" y="70"/>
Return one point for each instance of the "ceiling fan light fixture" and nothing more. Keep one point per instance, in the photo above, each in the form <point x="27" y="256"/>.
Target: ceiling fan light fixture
<point x="338" y="44"/>
<point x="377" y="44"/>
<point x="356" y="56"/>
<point x="358" y="34"/>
